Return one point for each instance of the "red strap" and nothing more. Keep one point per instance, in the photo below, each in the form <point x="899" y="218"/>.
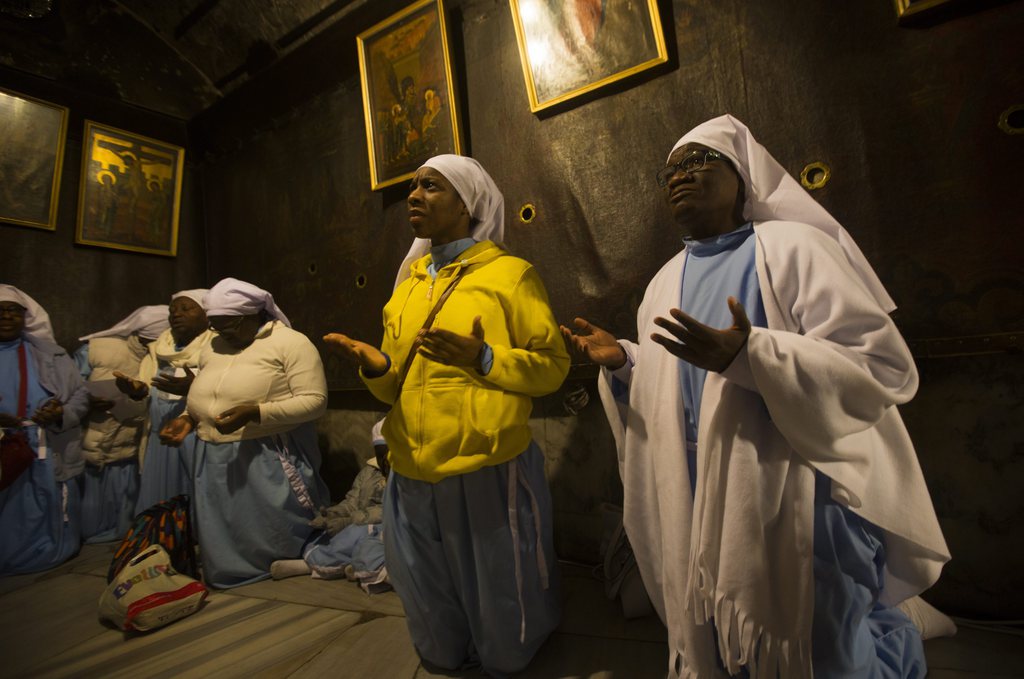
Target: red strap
<point x="23" y="387"/>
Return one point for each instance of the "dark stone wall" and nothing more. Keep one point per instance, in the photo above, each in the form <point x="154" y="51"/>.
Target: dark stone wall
<point x="84" y="288"/>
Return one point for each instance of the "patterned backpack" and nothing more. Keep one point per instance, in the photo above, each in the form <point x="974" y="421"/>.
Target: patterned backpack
<point x="167" y="524"/>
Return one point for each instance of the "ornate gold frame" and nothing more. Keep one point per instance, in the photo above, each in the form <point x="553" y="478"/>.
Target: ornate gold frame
<point x="385" y="171"/>
<point x="87" y="198"/>
<point x="52" y="139"/>
<point x="528" y="71"/>
<point x="908" y="9"/>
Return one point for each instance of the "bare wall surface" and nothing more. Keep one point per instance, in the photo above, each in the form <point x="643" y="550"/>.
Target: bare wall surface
<point x="84" y="288"/>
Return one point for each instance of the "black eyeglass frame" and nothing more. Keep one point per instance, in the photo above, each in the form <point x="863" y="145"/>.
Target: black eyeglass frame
<point x="692" y="162"/>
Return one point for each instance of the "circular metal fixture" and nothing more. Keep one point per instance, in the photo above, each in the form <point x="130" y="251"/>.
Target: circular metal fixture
<point x="527" y="213"/>
<point x="361" y="281"/>
<point x="1011" y="121"/>
<point x="815" y="176"/>
<point x="312" y="268"/>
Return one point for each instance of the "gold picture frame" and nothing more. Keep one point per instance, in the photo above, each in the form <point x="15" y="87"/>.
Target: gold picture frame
<point x="409" y="98"/>
<point x="568" y="49"/>
<point x="32" y="136"/>
<point x="907" y="10"/>
<point x="129" y="197"/>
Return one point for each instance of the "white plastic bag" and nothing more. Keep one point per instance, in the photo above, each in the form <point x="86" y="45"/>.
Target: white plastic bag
<point x="148" y="593"/>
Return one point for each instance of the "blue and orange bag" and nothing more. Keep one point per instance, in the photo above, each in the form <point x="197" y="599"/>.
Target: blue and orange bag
<point x="166" y="524"/>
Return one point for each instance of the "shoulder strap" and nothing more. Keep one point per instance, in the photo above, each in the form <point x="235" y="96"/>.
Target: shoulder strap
<point x="427" y="323"/>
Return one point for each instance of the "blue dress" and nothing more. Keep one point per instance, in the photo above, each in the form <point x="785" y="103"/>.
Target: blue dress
<point x="39" y="516"/>
<point x="166" y="471"/>
<point x="253" y="500"/>
<point x="852" y="634"/>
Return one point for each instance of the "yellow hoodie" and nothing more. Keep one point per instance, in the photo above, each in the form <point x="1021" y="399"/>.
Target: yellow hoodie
<point x="452" y="420"/>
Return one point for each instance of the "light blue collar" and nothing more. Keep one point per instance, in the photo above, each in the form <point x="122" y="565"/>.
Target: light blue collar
<point x="443" y="255"/>
<point x="720" y="243"/>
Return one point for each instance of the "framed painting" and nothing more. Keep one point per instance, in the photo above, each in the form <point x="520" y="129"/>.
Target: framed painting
<point x="32" y="134"/>
<point x="572" y="47"/>
<point x="408" y="94"/>
<point x="130" y="192"/>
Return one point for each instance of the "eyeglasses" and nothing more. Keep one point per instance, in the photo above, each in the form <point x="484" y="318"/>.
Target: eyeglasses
<point x="692" y="162"/>
<point x="14" y="310"/>
<point x="229" y="323"/>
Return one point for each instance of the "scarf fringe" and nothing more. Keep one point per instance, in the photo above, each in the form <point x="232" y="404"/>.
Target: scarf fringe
<point x="742" y="641"/>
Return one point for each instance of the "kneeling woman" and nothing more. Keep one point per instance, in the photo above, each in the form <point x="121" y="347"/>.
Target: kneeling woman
<point x="468" y="340"/>
<point x="257" y="484"/>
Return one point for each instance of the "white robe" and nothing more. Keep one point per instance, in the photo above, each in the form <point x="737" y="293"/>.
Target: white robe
<point x="816" y="389"/>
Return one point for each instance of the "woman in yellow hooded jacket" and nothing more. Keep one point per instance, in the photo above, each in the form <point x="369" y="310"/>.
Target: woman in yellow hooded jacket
<point x="469" y="338"/>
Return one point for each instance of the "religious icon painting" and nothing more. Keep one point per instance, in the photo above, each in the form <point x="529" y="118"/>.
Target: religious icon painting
<point x="32" y="134"/>
<point x="130" y="192"/>
<point x="408" y="94"/>
<point x="572" y="47"/>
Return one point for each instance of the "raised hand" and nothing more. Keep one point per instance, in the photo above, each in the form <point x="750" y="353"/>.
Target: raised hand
<point x="130" y="386"/>
<point x="450" y="348"/>
<point x="595" y="344"/>
<point x="701" y="345"/>
<point x="178" y="386"/>
<point x="362" y="354"/>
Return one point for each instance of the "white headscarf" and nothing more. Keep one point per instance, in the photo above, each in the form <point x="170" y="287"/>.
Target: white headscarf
<point x="232" y="297"/>
<point x="196" y="295"/>
<point x="377" y="433"/>
<point x="37" y="321"/>
<point x="146" y="322"/>
<point x="772" y="194"/>
<point x="479" y="193"/>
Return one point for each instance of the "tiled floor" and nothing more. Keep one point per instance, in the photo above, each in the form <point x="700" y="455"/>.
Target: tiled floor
<point x="301" y="627"/>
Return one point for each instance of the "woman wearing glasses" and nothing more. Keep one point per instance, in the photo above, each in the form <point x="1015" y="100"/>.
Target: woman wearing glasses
<point x="43" y="401"/>
<point x="252" y="405"/>
<point x="772" y="495"/>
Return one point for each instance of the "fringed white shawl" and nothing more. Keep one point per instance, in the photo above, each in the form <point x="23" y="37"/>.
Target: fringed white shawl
<point x="164" y="349"/>
<point x="818" y="389"/>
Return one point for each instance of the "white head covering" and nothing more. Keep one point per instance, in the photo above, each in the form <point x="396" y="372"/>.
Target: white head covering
<point x="195" y="295"/>
<point x="146" y="321"/>
<point x="377" y="433"/>
<point x="232" y="297"/>
<point x="480" y="194"/>
<point x="37" y="321"/>
<point x="772" y="194"/>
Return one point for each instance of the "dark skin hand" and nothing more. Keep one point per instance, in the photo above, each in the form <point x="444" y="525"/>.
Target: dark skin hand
<point x="131" y="387"/>
<point x="175" y="431"/>
<point x="701" y="345"/>
<point x="450" y="348"/>
<point x="366" y="356"/>
<point x="233" y="419"/>
<point x="51" y="412"/>
<point x="178" y="386"/>
<point x="595" y="344"/>
<point x="7" y="420"/>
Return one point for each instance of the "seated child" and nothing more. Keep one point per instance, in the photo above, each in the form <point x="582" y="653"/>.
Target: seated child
<point x="350" y="543"/>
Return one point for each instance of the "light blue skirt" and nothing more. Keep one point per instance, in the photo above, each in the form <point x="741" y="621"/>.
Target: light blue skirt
<point x="39" y="521"/>
<point x="108" y="500"/>
<point x="166" y="471"/>
<point x="362" y="547"/>
<point x="253" y="500"/>
<point x="479" y="583"/>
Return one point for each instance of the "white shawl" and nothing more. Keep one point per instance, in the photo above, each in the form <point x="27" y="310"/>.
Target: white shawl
<point x="831" y="369"/>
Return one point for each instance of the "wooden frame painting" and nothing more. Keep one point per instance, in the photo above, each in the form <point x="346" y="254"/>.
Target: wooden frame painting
<point x="129" y="197"/>
<point x="408" y="94"/>
<point x="32" y="134"/>
<point x="572" y="47"/>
